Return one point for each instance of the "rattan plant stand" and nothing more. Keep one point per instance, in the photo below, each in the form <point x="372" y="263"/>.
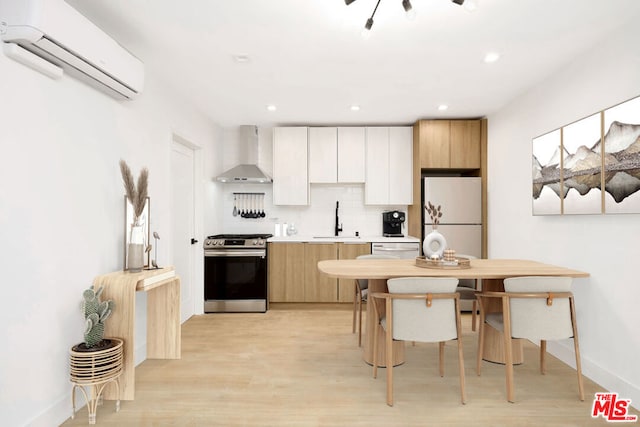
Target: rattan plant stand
<point x="94" y="370"/>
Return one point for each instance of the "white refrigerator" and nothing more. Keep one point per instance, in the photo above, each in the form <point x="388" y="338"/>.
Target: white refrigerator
<point x="460" y="199"/>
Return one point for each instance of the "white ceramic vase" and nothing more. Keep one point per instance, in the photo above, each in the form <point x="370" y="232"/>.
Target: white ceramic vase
<point x="434" y="244"/>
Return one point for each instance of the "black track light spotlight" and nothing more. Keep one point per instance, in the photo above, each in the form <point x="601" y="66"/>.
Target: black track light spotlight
<point x="458" y="2"/>
<point x="407" y="5"/>
<point x="348" y="2"/>
<point x="369" y="24"/>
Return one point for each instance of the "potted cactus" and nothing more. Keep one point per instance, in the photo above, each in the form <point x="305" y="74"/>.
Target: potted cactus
<point x="96" y="312"/>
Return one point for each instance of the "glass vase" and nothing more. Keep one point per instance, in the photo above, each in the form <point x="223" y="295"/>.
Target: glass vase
<point x="135" y="254"/>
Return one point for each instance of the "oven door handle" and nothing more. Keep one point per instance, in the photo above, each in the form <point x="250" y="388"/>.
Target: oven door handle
<point x="232" y="253"/>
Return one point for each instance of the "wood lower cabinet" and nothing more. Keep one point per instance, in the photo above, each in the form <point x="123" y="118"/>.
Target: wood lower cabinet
<point x="294" y="275"/>
<point x="346" y="287"/>
<point x="286" y="272"/>
<point x="318" y="287"/>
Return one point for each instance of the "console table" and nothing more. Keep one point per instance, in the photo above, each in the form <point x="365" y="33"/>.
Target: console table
<point x="163" y="318"/>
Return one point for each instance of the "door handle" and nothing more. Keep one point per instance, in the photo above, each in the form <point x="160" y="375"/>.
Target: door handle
<point x="193" y="241"/>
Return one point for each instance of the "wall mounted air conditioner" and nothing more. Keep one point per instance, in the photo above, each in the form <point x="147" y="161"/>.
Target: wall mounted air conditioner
<point x="53" y="30"/>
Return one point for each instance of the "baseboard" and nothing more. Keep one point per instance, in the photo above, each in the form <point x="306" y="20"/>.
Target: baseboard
<point x="607" y="380"/>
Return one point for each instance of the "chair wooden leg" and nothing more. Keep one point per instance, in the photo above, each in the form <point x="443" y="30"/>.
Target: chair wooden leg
<point x="375" y="348"/>
<point x="389" y="353"/>
<point x="474" y="311"/>
<point x="576" y="347"/>
<point x="355" y="304"/>
<point x="481" y="326"/>
<point x="441" y="357"/>
<point x="543" y="360"/>
<point x="360" y="322"/>
<point x="508" y="349"/>
<point x="463" y="394"/>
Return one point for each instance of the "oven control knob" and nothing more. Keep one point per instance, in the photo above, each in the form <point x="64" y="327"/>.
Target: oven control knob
<point x="261" y="242"/>
<point x="207" y="242"/>
<point x="255" y="242"/>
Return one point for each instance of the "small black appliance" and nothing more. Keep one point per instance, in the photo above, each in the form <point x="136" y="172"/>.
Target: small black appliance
<point x="392" y="223"/>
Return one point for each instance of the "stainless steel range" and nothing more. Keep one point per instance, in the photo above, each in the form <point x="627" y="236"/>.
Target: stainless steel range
<point x="235" y="273"/>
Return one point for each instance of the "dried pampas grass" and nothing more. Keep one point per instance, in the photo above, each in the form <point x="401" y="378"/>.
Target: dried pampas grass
<point x="136" y="196"/>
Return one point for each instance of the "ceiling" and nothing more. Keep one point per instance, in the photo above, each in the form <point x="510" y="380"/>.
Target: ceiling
<point x="307" y="57"/>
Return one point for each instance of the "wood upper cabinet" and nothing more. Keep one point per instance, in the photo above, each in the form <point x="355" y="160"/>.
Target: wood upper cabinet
<point x="465" y="144"/>
<point x="318" y="287"/>
<point x="323" y="155"/>
<point x="450" y="144"/>
<point x="435" y="143"/>
<point x="290" y="174"/>
<point x="346" y="287"/>
<point x="286" y="272"/>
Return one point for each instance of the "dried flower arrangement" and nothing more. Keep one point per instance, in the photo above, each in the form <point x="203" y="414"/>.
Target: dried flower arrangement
<point x="136" y="196"/>
<point x="435" y="213"/>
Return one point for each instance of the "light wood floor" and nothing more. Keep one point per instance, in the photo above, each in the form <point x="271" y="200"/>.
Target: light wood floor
<point x="300" y="365"/>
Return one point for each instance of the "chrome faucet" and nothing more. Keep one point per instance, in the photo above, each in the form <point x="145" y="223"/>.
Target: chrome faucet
<point x="338" y="227"/>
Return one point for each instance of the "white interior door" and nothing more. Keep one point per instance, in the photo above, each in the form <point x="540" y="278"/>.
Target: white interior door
<point x="183" y="223"/>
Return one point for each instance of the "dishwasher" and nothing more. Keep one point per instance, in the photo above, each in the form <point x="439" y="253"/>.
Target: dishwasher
<point x="408" y="250"/>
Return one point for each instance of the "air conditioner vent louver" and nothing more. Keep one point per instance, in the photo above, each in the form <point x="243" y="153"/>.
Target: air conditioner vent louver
<point x="59" y="34"/>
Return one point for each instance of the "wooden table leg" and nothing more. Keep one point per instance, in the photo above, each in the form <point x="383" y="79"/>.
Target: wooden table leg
<point x="376" y="285"/>
<point x="493" y="349"/>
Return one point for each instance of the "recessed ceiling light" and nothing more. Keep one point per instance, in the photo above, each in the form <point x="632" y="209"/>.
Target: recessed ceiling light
<point x="355" y="108"/>
<point x="442" y="107"/>
<point x="491" y="57"/>
<point x="241" y="58"/>
<point x="271" y="107"/>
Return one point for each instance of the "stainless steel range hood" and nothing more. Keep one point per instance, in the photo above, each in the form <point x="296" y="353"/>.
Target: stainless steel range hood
<point x="248" y="171"/>
<point x="244" y="173"/>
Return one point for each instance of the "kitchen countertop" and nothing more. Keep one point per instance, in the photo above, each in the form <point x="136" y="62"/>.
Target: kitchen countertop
<point x="343" y="239"/>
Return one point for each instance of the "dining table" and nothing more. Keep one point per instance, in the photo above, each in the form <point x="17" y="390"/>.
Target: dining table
<point x="492" y="272"/>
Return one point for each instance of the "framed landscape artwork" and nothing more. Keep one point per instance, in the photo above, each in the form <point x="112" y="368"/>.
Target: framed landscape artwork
<point x="574" y="172"/>
<point x="622" y="157"/>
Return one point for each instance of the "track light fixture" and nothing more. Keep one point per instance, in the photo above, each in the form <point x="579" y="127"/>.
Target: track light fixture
<point x="408" y="8"/>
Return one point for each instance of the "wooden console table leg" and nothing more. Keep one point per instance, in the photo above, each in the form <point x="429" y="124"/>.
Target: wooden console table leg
<point x="163" y="321"/>
<point x="376" y="285"/>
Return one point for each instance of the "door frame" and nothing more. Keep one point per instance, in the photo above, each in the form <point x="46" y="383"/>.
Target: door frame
<point x="197" y="285"/>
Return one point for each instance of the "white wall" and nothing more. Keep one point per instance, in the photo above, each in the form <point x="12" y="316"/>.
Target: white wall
<point x="606" y="246"/>
<point x="61" y="217"/>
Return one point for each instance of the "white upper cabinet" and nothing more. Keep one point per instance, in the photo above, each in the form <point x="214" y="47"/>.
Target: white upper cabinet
<point x="376" y="187"/>
<point x="401" y="165"/>
<point x="351" y="154"/>
<point x="336" y="155"/>
<point x="389" y="166"/>
<point x="323" y="152"/>
<point x="290" y="180"/>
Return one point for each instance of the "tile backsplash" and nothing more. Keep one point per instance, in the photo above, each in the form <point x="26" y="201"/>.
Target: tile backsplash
<point x="316" y="219"/>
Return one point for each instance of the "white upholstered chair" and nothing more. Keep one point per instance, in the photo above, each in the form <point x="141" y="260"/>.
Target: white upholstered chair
<point x="534" y="308"/>
<point x="467" y="288"/>
<point x="360" y="294"/>
<point x="423" y="309"/>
